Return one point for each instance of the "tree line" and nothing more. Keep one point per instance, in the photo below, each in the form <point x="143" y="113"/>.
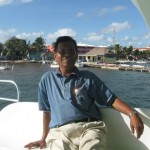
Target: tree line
<point x="19" y="49"/>
<point x="128" y="53"/>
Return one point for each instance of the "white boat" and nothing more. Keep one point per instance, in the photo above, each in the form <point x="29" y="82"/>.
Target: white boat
<point x="124" y="65"/>
<point x="138" y="66"/>
<point x="78" y="65"/>
<point x="122" y="61"/>
<point x="4" y="67"/>
<point x="141" y="62"/>
<point x="54" y="64"/>
<point x="21" y="123"/>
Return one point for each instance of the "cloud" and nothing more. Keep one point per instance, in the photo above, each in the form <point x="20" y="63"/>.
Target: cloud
<point x="8" y="2"/>
<point x="110" y="40"/>
<point x="131" y="43"/>
<point x="30" y="36"/>
<point x="25" y="1"/>
<point x="5" y="2"/>
<point x="62" y="32"/>
<point x="6" y="34"/>
<point x="118" y="8"/>
<point x="135" y="38"/>
<point x="80" y="14"/>
<point x="147" y="36"/>
<point x="93" y="37"/>
<point x="125" y="38"/>
<point x="117" y="27"/>
<point x="105" y="11"/>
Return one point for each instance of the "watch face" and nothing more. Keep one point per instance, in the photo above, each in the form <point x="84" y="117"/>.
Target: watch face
<point x="133" y="113"/>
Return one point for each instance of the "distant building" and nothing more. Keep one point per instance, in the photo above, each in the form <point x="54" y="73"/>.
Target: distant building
<point x="50" y="48"/>
<point x="84" y="48"/>
<point x="98" y="54"/>
<point x="142" y="49"/>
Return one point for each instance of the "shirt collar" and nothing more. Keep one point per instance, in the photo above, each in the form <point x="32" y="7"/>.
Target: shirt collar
<point x="74" y="72"/>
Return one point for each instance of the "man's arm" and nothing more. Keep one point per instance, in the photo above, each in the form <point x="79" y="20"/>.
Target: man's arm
<point x="136" y="123"/>
<point x="42" y="143"/>
<point x="46" y="121"/>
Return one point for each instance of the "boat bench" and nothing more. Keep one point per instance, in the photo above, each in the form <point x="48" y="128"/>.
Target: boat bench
<point x="21" y="123"/>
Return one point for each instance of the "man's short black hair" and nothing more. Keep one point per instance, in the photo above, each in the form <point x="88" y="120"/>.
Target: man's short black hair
<point x="64" y="39"/>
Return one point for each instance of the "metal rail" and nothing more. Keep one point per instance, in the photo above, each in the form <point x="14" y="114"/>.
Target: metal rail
<point x="18" y="93"/>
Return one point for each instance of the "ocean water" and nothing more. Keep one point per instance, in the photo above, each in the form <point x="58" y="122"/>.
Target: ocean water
<point x="130" y="86"/>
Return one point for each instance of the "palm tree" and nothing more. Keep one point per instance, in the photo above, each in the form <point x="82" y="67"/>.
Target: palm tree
<point x="16" y="48"/>
<point x="39" y="44"/>
<point x="1" y="49"/>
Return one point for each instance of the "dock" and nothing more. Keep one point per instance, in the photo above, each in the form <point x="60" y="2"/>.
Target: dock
<point x="134" y="68"/>
<point x="138" y="68"/>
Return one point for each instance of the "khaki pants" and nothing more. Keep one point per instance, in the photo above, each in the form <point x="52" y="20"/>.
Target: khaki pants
<point x="78" y="136"/>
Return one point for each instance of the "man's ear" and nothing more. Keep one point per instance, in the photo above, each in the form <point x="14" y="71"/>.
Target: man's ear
<point x="77" y="57"/>
<point x="54" y="55"/>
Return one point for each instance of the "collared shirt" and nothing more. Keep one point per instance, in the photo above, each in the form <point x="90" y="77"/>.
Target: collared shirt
<point x="58" y="94"/>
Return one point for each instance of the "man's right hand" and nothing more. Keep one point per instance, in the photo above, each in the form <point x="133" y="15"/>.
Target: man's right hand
<point x="41" y="144"/>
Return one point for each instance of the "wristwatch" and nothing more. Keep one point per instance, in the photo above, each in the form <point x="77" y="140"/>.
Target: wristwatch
<point x="133" y="113"/>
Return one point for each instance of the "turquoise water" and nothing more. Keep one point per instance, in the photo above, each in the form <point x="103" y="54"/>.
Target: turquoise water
<point x="132" y="87"/>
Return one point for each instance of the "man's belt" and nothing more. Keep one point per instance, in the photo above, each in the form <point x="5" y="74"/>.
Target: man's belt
<point x="81" y="120"/>
<point x="86" y="120"/>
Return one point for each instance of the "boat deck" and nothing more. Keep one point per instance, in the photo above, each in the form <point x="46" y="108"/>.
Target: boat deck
<point x="21" y="123"/>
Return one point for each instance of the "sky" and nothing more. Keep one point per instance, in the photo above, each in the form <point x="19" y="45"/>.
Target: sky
<point x="91" y="22"/>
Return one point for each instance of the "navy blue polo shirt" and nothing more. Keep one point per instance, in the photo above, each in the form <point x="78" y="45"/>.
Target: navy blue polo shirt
<point x="58" y="94"/>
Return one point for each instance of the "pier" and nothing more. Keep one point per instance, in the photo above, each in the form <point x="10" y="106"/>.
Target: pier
<point x="124" y="67"/>
<point x="134" y="68"/>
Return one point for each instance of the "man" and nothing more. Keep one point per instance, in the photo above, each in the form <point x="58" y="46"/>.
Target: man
<point x="69" y="99"/>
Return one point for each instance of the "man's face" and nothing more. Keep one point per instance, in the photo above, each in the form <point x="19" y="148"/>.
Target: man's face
<point x="66" y="54"/>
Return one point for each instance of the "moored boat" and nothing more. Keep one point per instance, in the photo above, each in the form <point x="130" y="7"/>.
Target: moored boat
<point x="141" y="62"/>
<point x="3" y="67"/>
<point x="138" y="66"/>
<point x="54" y="64"/>
<point x="124" y="65"/>
<point x="78" y="65"/>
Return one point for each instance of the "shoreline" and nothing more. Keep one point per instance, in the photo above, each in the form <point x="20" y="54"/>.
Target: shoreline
<point x="139" y="68"/>
<point x="23" y="61"/>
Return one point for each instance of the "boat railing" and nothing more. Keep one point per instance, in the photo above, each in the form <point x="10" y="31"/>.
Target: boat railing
<point x="17" y="90"/>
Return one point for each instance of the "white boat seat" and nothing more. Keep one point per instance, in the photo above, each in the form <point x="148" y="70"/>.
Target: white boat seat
<point x="21" y="123"/>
